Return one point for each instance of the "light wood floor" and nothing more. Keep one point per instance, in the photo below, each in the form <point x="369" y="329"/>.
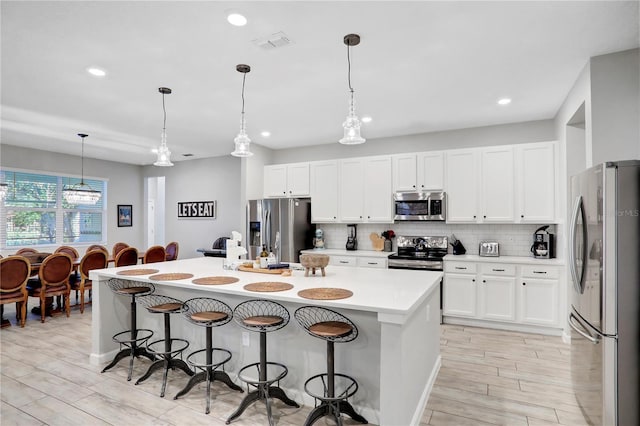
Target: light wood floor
<point x="487" y="377"/>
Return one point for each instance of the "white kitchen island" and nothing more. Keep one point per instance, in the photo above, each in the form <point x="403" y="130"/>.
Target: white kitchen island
<point x="395" y="358"/>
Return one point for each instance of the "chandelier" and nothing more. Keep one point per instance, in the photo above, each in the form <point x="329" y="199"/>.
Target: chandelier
<point x="242" y="141"/>
<point x="352" y="123"/>
<point x="164" y="155"/>
<point x="81" y="193"/>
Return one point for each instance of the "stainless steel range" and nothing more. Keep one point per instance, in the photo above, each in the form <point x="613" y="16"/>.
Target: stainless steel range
<point x="424" y="253"/>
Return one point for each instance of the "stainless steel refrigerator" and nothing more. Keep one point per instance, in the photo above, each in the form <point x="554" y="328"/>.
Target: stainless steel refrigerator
<point x="282" y="225"/>
<point x="604" y="261"/>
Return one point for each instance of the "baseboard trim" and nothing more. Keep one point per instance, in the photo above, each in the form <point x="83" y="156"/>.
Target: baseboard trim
<point x="424" y="398"/>
<point x="504" y="326"/>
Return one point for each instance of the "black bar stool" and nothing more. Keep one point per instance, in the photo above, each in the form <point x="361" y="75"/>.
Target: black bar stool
<point x="208" y="313"/>
<point x="333" y="327"/>
<point x="262" y="316"/>
<point x="168" y="348"/>
<point x="131" y="341"/>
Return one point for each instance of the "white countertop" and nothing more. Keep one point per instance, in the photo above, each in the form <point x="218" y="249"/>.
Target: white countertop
<point x="390" y="291"/>
<point x="503" y="259"/>
<point x="339" y="252"/>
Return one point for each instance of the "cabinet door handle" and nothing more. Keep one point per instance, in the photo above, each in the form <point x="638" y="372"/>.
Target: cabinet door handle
<point x="344" y="261"/>
<point x="498" y="270"/>
<point x="524" y="283"/>
<point x="485" y="216"/>
<point x="422" y="186"/>
<point x="413" y="186"/>
<point x="474" y="216"/>
<point x="522" y="216"/>
<point x="372" y="263"/>
<point x="360" y="217"/>
<point x="290" y="192"/>
<point x="368" y="217"/>
<point x="539" y="272"/>
<point x="473" y="280"/>
<point x="334" y="217"/>
<point x="461" y="267"/>
<point x="484" y="281"/>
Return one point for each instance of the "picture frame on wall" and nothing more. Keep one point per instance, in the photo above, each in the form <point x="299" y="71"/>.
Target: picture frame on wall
<point x="124" y="215"/>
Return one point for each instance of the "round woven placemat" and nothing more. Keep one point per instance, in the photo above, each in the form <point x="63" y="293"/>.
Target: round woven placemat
<point x="137" y="272"/>
<point x="171" y="276"/>
<point x="215" y="280"/>
<point x="267" y="286"/>
<point x="325" y="293"/>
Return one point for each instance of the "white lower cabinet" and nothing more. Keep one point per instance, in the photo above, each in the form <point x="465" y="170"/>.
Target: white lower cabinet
<point x="505" y="293"/>
<point x="459" y="295"/>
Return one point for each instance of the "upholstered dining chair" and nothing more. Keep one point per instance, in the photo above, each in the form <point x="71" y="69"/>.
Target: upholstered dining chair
<point x="172" y="250"/>
<point x="73" y="253"/>
<point x="15" y="271"/>
<point x="26" y="250"/>
<point x="154" y="254"/>
<point x="117" y="248"/>
<point x="127" y="256"/>
<point x="98" y="247"/>
<point x="54" y="281"/>
<point x="95" y="259"/>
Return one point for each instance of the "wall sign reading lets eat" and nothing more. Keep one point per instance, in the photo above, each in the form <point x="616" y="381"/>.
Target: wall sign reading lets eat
<point x="197" y="209"/>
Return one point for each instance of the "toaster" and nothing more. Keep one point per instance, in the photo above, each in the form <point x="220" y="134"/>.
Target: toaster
<point x="489" y="249"/>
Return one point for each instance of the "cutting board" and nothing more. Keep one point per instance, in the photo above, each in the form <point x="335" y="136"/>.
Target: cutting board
<point x="376" y="241"/>
<point x="262" y="270"/>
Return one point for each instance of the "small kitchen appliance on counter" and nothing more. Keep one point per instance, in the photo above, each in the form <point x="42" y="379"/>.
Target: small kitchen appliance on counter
<point x="458" y="248"/>
<point x="489" y="249"/>
<point x="543" y="244"/>
<point x="352" y="241"/>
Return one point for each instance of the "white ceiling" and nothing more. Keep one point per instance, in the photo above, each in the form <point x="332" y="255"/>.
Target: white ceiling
<point x="421" y="67"/>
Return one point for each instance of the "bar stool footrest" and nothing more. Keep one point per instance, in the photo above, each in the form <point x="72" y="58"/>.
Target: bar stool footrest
<point x="214" y="364"/>
<point x="242" y="374"/>
<point x="157" y="347"/>
<point x="350" y="387"/>
<point x="124" y="337"/>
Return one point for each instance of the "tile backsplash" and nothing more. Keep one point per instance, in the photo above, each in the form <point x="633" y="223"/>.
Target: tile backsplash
<point x="515" y="240"/>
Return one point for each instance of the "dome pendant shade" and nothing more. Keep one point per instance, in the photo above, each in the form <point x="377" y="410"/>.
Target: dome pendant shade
<point x="81" y="193"/>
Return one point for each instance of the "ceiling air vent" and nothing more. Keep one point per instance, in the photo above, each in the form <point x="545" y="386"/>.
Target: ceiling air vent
<point x="273" y="41"/>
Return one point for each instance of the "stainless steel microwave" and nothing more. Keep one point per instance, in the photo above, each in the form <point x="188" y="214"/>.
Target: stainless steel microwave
<point x="420" y="206"/>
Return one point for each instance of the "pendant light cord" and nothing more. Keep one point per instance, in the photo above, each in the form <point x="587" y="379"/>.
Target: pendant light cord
<point x="349" y="68"/>
<point x="82" y="164"/>
<point x="244" y="77"/>
<point x="164" y="111"/>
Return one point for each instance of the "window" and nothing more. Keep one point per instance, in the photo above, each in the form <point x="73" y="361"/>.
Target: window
<point x="35" y="213"/>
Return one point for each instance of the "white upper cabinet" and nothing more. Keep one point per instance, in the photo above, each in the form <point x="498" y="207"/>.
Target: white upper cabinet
<point x="324" y="191"/>
<point x="378" y="191"/>
<point x="497" y="195"/>
<point x="404" y="172"/>
<point x="423" y="171"/>
<point x="286" y="180"/>
<point x="366" y="190"/>
<point x="461" y="182"/>
<point x="536" y="168"/>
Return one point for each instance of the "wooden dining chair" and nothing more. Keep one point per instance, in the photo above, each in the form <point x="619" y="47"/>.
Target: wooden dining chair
<point x="54" y="281"/>
<point x="15" y="271"/>
<point x="26" y="250"/>
<point x="94" y="259"/>
<point x="98" y="247"/>
<point x="172" y="250"/>
<point x="126" y="257"/>
<point x="117" y="248"/>
<point x="154" y="254"/>
<point x="73" y="253"/>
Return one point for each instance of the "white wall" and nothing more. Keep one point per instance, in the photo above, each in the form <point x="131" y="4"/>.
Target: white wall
<point x="505" y="134"/>
<point x="615" y="104"/>
<point x="125" y="185"/>
<point x="216" y="178"/>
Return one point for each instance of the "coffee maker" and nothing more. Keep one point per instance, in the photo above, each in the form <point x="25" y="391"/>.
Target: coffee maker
<point x="352" y="241"/>
<point x="543" y="246"/>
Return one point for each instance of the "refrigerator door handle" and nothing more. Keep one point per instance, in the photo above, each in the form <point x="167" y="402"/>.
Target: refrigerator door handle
<point x="581" y="330"/>
<point x="578" y="281"/>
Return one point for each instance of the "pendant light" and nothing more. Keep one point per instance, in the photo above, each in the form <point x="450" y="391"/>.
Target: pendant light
<point x="164" y="155"/>
<point x="81" y="193"/>
<point x="242" y="141"/>
<point x="352" y="123"/>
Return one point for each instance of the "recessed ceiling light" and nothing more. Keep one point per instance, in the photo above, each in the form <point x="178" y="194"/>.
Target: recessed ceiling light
<point x="366" y="119"/>
<point x="235" y="18"/>
<point x="96" y="72"/>
<point x="504" y="101"/>
<point x="265" y="134"/>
